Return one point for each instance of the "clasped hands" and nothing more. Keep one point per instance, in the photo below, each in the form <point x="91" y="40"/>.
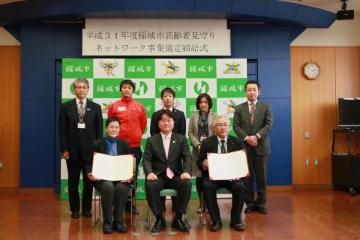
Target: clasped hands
<point x="252" y="141"/>
<point x="153" y="177"/>
<point x="93" y="178"/>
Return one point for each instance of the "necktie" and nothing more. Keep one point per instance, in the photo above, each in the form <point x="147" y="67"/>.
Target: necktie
<point x="252" y="112"/>
<point x="169" y="172"/>
<point x="81" y="111"/>
<point x="166" y="145"/>
<point x="222" y="148"/>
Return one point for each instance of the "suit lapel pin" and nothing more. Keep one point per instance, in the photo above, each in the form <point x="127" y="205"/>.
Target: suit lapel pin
<point x="174" y="141"/>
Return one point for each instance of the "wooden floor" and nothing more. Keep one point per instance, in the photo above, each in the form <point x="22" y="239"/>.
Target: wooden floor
<point x="33" y="214"/>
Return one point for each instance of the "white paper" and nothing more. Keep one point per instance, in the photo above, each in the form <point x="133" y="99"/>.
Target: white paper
<point x="113" y="168"/>
<point x="228" y="166"/>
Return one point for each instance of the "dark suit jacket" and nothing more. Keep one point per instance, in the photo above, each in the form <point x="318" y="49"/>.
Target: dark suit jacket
<point x="210" y="145"/>
<point x="179" y="125"/>
<point x="100" y="147"/>
<point x="262" y="125"/>
<point x="79" y="141"/>
<point x="155" y="161"/>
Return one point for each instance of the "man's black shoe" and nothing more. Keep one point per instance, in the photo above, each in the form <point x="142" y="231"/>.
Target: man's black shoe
<point x="216" y="225"/>
<point x="261" y="210"/>
<point x="249" y="209"/>
<point x="87" y="214"/>
<point x="181" y="224"/>
<point x="237" y="226"/>
<point x="107" y="228"/>
<point x="158" y="226"/>
<point x="120" y="227"/>
<point x="75" y="215"/>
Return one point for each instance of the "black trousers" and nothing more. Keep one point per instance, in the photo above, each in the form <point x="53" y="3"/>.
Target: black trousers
<point x="257" y="167"/>
<point x="153" y="188"/>
<point x="74" y="167"/>
<point x="237" y="188"/>
<point x="113" y="195"/>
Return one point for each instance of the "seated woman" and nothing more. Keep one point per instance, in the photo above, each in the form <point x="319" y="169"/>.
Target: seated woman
<point x="114" y="194"/>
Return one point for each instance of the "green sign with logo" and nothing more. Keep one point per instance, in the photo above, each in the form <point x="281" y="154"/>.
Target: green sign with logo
<point x="222" y="79"/>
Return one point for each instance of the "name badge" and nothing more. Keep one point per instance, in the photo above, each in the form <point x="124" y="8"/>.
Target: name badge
<point x="81" y="125"/>
<point x="121" y="109"/>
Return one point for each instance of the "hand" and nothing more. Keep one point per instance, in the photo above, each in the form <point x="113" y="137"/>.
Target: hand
<point x="252" y="141"/>
<point x="66" y="155"/>
<point x="91" y="177"/>
<point x="128" y="180"/>
<point x="151" y="177"/>
<point x="205" y="164"/>
<point x="185" y="175"/>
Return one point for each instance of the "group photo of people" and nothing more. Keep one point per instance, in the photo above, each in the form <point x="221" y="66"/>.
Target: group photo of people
<point x="167" y="160"/>
<point x="180" y="120"/>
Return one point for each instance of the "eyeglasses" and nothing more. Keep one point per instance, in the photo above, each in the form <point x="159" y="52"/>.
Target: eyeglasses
<point x="81" y="87"/>
<point x="222" y="124"/>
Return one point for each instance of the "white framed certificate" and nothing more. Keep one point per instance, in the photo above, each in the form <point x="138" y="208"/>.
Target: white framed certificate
<point x="227" y="166"/>
<point x="113" y="168"/>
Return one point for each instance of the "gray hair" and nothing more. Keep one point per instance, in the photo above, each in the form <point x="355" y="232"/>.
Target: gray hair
<point x="81" y="80"/>
<point x="217" y="119"/>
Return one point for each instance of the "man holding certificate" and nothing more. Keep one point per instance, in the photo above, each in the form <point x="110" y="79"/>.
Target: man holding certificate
<point x="222" y="143"/>
<point x="167" y="164"/>
<point x="113" y="191"/>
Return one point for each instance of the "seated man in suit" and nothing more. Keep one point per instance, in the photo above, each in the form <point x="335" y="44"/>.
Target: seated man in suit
<point x="222" y="143"/>
<point x="167" y="164"/>
<point x="168" y="101"/>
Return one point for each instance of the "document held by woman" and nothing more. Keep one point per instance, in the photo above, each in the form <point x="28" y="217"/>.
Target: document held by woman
<point x="113" y="168"/>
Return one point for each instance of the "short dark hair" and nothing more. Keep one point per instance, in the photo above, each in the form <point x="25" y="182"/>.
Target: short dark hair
<point x="165" y="112"/>
<point x="252" y="82"/>
<point x="167" y="90"/>
<point x="208" y="98"/>
<point x="127" y="82"/>
<point x="110" y="120"/>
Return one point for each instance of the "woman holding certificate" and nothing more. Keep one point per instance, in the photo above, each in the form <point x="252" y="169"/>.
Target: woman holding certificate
<point x="200" y="128"/>
<point x="114" y="194"/>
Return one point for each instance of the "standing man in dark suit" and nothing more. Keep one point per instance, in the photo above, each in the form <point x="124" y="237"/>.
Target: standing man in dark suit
<point x="222" y="143"/>
<point x="168" y="99"/>
<point x="252" y="123"/>
<point x="80" y="124"/>
<point x="167" y="164"/>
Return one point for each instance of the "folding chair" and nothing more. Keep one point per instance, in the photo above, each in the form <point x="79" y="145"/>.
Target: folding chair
<point x="149" y="215"/>
<point x="222" y="191"/>
<point x="96" y="207"/>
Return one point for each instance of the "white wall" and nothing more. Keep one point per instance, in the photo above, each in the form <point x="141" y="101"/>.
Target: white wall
<point x="340" y="33"/>
<point x="6" y="39"/>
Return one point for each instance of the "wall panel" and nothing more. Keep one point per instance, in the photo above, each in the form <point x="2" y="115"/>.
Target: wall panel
<point x="9" y="115"/>
<point x="314" y="108"/>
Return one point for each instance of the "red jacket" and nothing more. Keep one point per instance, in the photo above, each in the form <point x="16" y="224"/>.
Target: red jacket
<point x="132" y="118"/>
